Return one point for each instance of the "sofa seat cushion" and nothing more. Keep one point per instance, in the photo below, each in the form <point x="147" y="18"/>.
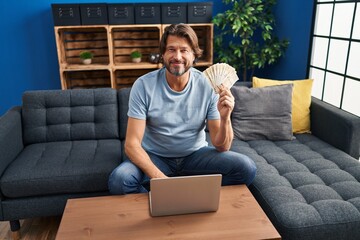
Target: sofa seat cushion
<point x="306" y="187"/>
<point x="61" y="168"/>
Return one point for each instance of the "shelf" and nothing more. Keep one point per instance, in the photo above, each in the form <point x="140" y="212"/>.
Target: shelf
<point x="79" y="67"/>
<point x="125" y="39"/>
<point x="87" y="79"/>
<point x="140" y="65"/>
<point x="111" y="46"/>
<point x="125" y="78"/>
<point x="71" y="41"/>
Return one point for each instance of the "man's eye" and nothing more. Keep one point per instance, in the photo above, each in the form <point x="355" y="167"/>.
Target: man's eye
<point x="171" y="50"/>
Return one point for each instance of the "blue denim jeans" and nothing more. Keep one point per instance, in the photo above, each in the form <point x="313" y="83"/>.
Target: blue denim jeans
<point x="235" y="168"/>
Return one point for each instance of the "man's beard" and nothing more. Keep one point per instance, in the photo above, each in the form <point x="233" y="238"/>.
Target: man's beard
<point x="177" y="71"/>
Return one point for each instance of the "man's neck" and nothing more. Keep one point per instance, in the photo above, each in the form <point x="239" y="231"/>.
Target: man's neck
<point x="177" y="83"/>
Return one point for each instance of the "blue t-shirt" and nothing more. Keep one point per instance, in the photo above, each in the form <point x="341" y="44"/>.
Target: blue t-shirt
<point x="175" y="121"/>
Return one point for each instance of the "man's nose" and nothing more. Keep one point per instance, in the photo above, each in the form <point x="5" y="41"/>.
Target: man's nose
<point x="177" y="54"/>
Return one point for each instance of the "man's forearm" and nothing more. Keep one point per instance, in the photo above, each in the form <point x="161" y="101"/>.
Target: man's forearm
<point x="142" y="160"/>
<point x="224" y="136"/>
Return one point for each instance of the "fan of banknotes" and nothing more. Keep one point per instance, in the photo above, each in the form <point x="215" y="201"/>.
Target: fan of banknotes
<point x="221" y="73"/>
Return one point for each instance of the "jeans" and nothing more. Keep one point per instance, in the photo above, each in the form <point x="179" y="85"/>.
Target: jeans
<point x="235" y="168"/>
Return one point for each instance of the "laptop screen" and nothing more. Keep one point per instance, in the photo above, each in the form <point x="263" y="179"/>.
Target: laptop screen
<point x="183" y="195"/>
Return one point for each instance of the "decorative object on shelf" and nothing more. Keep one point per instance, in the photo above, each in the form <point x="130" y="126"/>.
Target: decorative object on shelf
<point x="221" y="73"/>
<point x="253" y="44"/>
<point x="136" y="56"/>
<point x="154" y="58"/>
<point x="86" y="57"/>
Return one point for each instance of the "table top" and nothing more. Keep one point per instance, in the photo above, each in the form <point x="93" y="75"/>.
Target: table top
<point x="128" y="217"/>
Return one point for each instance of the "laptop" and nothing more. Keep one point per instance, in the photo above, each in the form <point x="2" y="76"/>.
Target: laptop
<point x="184" y="195"/>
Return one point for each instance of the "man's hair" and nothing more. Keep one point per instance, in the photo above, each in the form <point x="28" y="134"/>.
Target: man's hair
<point x="183" y="31"/>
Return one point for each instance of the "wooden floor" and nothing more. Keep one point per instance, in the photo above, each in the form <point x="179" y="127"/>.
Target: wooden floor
<point x="44" y="228"/>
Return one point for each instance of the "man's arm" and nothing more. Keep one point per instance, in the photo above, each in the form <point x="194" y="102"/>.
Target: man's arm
<point x="134" y="150"/>
<point x="221" y="131"/>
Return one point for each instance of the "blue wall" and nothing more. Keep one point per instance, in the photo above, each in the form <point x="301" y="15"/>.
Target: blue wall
<point x="293" y="21"/>
<point x="29" y="58"/>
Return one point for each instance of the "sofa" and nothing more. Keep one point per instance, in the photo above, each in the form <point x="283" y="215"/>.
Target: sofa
<point x="63" y="144"/>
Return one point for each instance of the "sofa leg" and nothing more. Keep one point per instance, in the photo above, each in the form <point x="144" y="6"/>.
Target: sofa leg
<point x="15" y="229"/>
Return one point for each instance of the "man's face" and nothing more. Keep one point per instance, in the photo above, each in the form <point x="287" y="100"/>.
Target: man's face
<point x="178" y="56"/>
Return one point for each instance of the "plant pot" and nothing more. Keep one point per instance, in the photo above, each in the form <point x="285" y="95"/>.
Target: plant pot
<point x="87" y="61"/>
<point x="136" y="60"/>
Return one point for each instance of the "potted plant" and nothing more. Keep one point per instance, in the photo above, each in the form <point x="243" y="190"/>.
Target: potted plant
<point x="86" y="57"/>
<point x="136" y="56"/>
<point x="244" y="38"/>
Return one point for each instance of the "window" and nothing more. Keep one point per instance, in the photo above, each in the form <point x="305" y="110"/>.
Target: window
<point x="335" y="54"/>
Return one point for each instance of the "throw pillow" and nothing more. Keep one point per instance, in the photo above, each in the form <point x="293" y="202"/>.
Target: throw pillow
<point x="301" y="101"/>
<point x="262" y="113"/>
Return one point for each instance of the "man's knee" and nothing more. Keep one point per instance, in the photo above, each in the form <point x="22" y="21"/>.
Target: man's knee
<point x="251" y="173"/>
<point x="116" y="181"/>
<point x="249" y="169"/>
<point x="244" y="169"/>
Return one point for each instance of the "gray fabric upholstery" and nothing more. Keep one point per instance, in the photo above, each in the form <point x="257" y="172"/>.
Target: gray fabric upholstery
<point x="61" y="167"/>
<point x="335" y="126"/>
<point x="84" y="114"/>
<point x="123" y="98"/>
<point x="262" y="113"/>
<point x="59" y="144"/>
<point x="11" y="143"/>
<point x="308" y="188"/>
<point x="46" y="205"/>
<point x="72" y="143"/>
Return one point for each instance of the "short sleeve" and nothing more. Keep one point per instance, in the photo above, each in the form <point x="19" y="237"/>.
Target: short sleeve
<point x="137" y="104"/>
<point x="213" y="112"/>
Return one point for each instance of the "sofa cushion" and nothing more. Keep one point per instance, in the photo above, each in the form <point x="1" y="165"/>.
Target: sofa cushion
<point x="81" y="114"/>
<point x="301" y="100"/>
<point x="309" y="189"/>
<point x="61" y="168"/>
<point x="262" y="113"/>
<point x="123" y="98"/>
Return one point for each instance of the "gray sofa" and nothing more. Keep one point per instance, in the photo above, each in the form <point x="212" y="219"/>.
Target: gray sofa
<point x="64" y="144"/>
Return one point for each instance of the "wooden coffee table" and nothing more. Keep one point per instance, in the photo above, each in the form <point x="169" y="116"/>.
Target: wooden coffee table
<point x="127" y="217"/>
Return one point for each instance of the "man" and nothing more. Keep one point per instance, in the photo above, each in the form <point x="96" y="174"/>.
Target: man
<point x="168" y="111"/>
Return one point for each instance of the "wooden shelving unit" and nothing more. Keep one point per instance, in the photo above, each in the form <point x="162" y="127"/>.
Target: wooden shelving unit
<point x="112" y="45"/>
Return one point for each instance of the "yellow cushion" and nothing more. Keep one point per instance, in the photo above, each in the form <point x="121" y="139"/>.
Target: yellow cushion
<point x="301" y="100"/>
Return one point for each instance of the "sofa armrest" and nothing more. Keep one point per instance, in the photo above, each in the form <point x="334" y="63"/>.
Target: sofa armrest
<point x="335" y="126"/>
<point x="11" y="142"/>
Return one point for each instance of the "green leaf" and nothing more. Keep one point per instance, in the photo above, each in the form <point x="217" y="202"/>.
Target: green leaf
<point x="268" y="28"/>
